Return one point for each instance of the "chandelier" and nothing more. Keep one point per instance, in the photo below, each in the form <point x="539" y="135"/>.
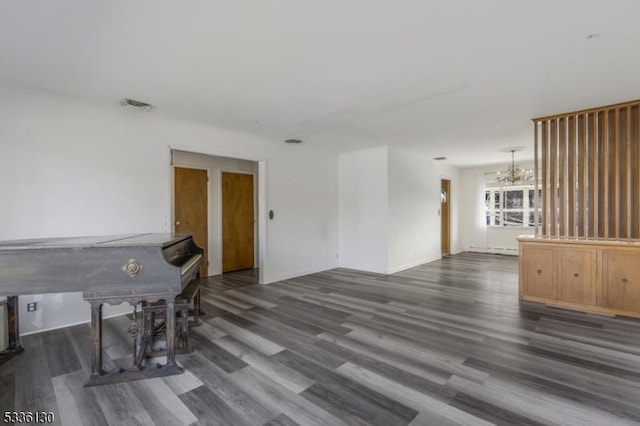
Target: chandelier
<point x="514" y="174"/>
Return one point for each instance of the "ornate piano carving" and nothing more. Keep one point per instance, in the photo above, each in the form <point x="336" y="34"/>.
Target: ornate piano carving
<point x="112" y="269"/>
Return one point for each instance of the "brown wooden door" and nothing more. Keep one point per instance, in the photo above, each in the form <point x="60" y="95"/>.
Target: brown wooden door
<point x="237" y="222"/>
<point x="191" y="207"/>
<point x="445" y="213"/>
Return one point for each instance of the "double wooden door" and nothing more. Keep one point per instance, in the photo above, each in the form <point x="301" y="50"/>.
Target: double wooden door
<point x="237" y="210"/>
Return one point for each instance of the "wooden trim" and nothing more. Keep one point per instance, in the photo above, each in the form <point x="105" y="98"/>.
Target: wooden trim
<point x="545" y="184"/>
<point x="637" y="201"/>
<point x="629" y="166"/>
<point x="553" y="183"/>
<point x="571" y="177"/>
<point x="615" y="169"/>
<point x="536" y="185"/>
<point x="632" y="244"/>
<point x="579" y="307"/>
<point x="590" y="173"/>
<point x="606" y="148"/>
<point x="587" y="110"/>
<point x="593" y="203"/>
<point x="582" y="163"/>
<point x="562" y="176"/>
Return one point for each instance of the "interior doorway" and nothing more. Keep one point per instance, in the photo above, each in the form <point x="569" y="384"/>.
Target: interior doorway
<point x="445" y="216"/>
<point x="191" y="208"/>
<point x="218" y="168"/>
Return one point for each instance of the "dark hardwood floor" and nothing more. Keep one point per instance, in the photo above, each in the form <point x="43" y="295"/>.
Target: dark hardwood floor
<point x="441" y="344"/>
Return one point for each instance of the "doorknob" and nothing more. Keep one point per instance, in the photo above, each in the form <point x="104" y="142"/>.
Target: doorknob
<point x="177" y="222"/>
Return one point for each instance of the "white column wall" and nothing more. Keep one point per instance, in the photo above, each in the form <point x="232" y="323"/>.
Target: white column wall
<point x="414" y="208"/>
<point x="363" y="209"/>
<point x="303" y="234"/>
<point x="389" y="201"/>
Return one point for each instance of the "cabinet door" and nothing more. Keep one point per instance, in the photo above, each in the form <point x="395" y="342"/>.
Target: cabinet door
<point x="621" y="279"/>
<point x="577" y="276"/>
<point x="538" y="268"/>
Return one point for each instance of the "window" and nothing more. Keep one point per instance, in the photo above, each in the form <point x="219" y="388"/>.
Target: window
<point x="510" y="206"/>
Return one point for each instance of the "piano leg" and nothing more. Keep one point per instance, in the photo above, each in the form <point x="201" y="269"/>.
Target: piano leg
<point x="96" y="340"/>
<point x="136" y="371"/>
<point x="14" y="330"/>
<point x="170" y="323"/>
<point x="146" y="337"/>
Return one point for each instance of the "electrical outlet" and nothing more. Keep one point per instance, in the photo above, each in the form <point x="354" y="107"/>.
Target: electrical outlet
<point x="31" y="307"/>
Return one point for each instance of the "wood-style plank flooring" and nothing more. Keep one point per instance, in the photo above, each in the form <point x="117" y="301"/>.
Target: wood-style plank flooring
<point x="444" y="343"/>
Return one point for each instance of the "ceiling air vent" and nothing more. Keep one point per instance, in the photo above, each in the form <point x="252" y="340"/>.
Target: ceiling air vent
<point x="294" y="141"/>
<point x="130" y="103"/>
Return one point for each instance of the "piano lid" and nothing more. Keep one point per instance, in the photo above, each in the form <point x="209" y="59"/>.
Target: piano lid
<point x="99" y="266"/>
<point x="110" y="241"/>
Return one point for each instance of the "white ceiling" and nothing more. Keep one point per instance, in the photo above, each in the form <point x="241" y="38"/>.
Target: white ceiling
<point x="458" y="78"/>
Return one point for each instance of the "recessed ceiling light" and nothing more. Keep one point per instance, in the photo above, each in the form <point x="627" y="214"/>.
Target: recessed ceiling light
<point x="294" y="141"/>
<point x="130" y="103"/>
<point x="439" y="158"/>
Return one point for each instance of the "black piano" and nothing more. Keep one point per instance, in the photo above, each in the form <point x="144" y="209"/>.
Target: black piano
<point x="140" y="268"/>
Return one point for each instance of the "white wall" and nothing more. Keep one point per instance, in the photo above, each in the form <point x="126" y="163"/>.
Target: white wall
<point x="414" y="208"/>
<point x="303" y="234"/>
<point x="363" y="209"/>
<point x="71" y="168"/>
<point x="215" y="166"/>
<point x="475" y="235"/>
<point x="414" y="200"/>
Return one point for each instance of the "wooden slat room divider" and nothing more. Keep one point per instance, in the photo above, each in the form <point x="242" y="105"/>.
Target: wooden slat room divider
<point x="588" y="171"/>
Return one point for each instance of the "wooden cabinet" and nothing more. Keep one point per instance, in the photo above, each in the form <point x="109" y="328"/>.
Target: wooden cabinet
<point x="621" y="279"/>
<point x="597" y="276"/>
<point x="577" y="275"/>
<point x="539" y="272"/>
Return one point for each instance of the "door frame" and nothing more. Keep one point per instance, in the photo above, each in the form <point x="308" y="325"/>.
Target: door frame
<point x="446" y="232"/>
<point x="261" y="195"/>
<point x="256" y="223"/>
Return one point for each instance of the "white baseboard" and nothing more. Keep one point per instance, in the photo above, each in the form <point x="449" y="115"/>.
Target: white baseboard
<point x="411" y="265"/>
<point x="282" y="277"/>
